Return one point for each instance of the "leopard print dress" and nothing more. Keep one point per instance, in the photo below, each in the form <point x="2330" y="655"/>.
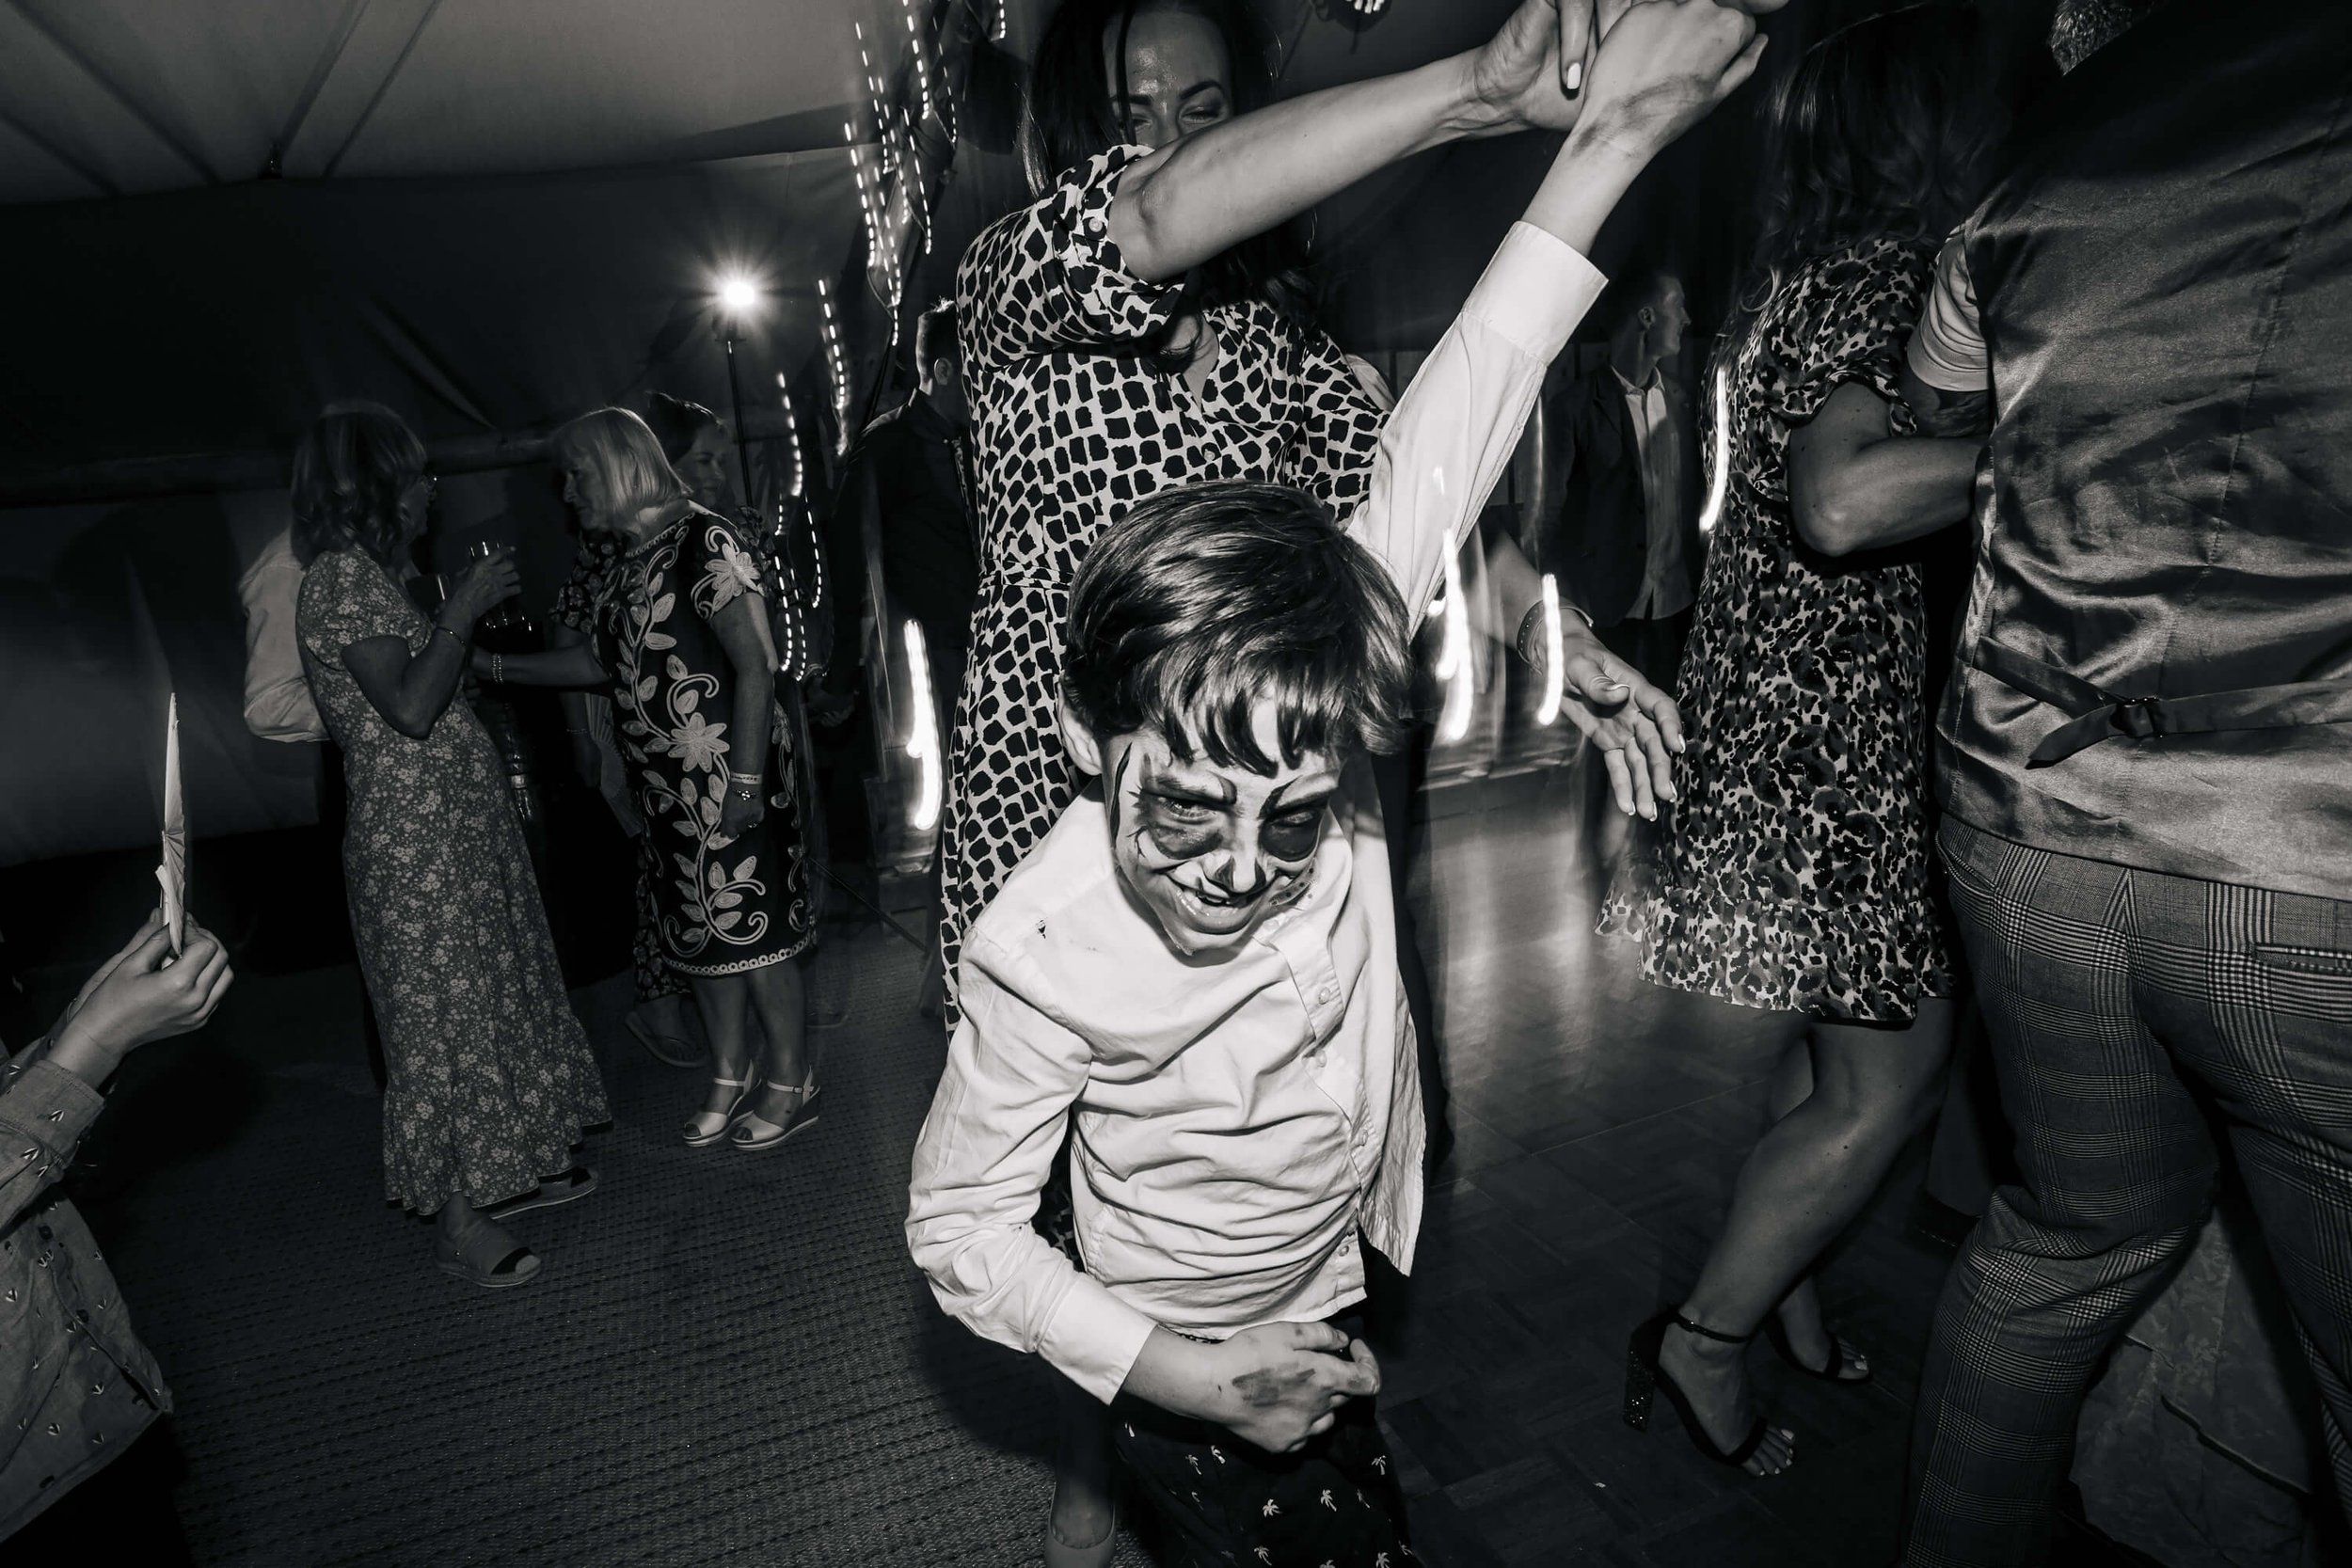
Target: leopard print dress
<point x="1794" y="873"/>
<point x="1069" y="432"/>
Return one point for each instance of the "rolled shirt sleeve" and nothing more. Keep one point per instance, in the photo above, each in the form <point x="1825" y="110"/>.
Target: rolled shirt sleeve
<point x="983" y="1158"/>
<point x="1946" y="349"/>
<point x="1049" y="276"/>
<point x="1455" y="429"/>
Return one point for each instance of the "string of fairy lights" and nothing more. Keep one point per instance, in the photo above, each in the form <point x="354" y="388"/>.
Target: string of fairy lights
<point x="888" y="171"/>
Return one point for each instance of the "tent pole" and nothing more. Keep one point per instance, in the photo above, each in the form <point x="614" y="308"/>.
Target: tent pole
<point x="742" y="436"/>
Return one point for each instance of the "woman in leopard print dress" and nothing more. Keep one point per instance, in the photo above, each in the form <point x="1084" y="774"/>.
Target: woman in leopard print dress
<point x="1792" y="875"/>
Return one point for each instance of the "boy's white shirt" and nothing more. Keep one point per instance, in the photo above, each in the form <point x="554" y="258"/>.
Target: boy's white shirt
<point x="1238" y="1121"/>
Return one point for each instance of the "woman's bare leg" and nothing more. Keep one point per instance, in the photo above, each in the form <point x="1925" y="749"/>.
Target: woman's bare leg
<point x="1082" y="1465"/>
<point x="1808" y="1176"/>
<point x="777" y="997"/>
<point x="724" y="1001"/>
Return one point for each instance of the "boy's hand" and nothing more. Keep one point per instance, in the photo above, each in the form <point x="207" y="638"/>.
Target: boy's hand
<point x="1636" y="725"/>
<point x="1275" y="1386"/>
<point x="1281" y="1384"/>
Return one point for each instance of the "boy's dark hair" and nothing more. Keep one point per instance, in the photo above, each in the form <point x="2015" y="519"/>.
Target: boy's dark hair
<point x="1207" y="599"/>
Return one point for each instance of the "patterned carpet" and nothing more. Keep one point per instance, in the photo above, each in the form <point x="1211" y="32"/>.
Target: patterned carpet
<point x="728" y="1358"/>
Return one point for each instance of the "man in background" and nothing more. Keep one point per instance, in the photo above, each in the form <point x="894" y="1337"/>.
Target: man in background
<point x="1624" y="540"/>
<point x="907" y="494"/>
<point x="1625" y="543"/>
<point x="906" y="505"/>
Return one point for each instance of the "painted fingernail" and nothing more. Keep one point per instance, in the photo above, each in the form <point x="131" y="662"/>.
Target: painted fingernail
<point x="1572" y="81"/>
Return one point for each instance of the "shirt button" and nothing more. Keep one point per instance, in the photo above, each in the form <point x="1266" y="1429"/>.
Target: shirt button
<point x="1327" y="994"/>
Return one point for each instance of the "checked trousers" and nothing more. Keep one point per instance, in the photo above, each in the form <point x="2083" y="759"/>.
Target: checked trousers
<point x="2134" y="1017"/>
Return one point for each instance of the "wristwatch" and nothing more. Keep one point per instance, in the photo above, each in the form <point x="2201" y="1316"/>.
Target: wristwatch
<point x="1527" y="627"/>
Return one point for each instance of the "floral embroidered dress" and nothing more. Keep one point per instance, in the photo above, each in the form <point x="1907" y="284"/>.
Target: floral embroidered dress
<point x="1793" y="873"/>
<point x="489" y="1077"/>
<point x="721" y="909"/>
<point x="1070" y="427"/>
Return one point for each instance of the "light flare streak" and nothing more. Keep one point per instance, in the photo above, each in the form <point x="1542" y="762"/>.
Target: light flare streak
<point x="1548" y="709"/>
<point x="922" y="732"/>
<point x="1719" y="453"/>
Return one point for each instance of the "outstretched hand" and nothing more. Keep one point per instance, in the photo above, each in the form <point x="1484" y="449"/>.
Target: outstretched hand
<point x="1637" y="728"/>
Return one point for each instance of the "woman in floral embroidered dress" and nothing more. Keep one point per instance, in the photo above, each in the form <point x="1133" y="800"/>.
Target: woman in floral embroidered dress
<point x="682" y="640"/>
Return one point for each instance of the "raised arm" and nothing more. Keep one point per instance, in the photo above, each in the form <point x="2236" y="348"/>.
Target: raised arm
<point x="1211" y="190"/>
<point x="1659" y="70"/>
<point x="412" y="691"/>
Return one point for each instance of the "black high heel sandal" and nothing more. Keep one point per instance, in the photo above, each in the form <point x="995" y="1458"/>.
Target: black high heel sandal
<point x="1839" y="1353"/>
<point x="1644" y="1377"/>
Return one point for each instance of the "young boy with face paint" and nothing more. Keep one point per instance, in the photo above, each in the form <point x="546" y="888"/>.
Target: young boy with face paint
<point x="1196" y="970"/>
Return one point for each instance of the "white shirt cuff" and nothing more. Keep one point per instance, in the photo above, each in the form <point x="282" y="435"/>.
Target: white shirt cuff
<point x="1536" y="290"/>
<point x="1094" y="1337"/>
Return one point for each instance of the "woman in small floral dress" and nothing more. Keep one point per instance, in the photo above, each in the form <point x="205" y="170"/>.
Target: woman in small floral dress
<point x="489" y="1075"/>
<point x="682" y="642"/>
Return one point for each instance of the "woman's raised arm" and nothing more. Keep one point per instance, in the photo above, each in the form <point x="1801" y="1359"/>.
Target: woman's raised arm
<point x="1217" y="187"/>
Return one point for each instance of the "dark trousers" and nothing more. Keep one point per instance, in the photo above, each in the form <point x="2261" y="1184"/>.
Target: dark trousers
<point x="123" y="1513"/>
<point x="1334" y="1504"/>
<point x="1652" y="646"/>
<point x="2119" y="1005"/>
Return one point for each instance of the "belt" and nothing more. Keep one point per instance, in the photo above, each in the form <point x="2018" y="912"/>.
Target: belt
<point x="2099" y="714"/>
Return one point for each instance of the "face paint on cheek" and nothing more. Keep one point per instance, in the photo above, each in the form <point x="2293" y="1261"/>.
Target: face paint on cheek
<point x="1175" y="837"/>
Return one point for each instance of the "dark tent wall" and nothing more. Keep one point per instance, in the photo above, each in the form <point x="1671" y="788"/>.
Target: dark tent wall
<point x="208" y="327"/>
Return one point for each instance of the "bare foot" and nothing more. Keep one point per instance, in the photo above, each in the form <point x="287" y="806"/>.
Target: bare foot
<point x="776" y="1106"/>
<point x="1714" y="1378"/>
<point x="1810" y="1338"/>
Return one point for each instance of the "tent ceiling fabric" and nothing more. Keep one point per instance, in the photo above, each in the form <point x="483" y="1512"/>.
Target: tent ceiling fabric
<point x="123" y="97"/>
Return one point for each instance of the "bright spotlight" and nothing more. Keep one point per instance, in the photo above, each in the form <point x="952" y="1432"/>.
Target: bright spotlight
<point x="737" y="294"/>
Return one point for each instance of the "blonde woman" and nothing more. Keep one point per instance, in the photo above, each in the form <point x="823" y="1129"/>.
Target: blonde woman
<point x="681" y="638"/>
